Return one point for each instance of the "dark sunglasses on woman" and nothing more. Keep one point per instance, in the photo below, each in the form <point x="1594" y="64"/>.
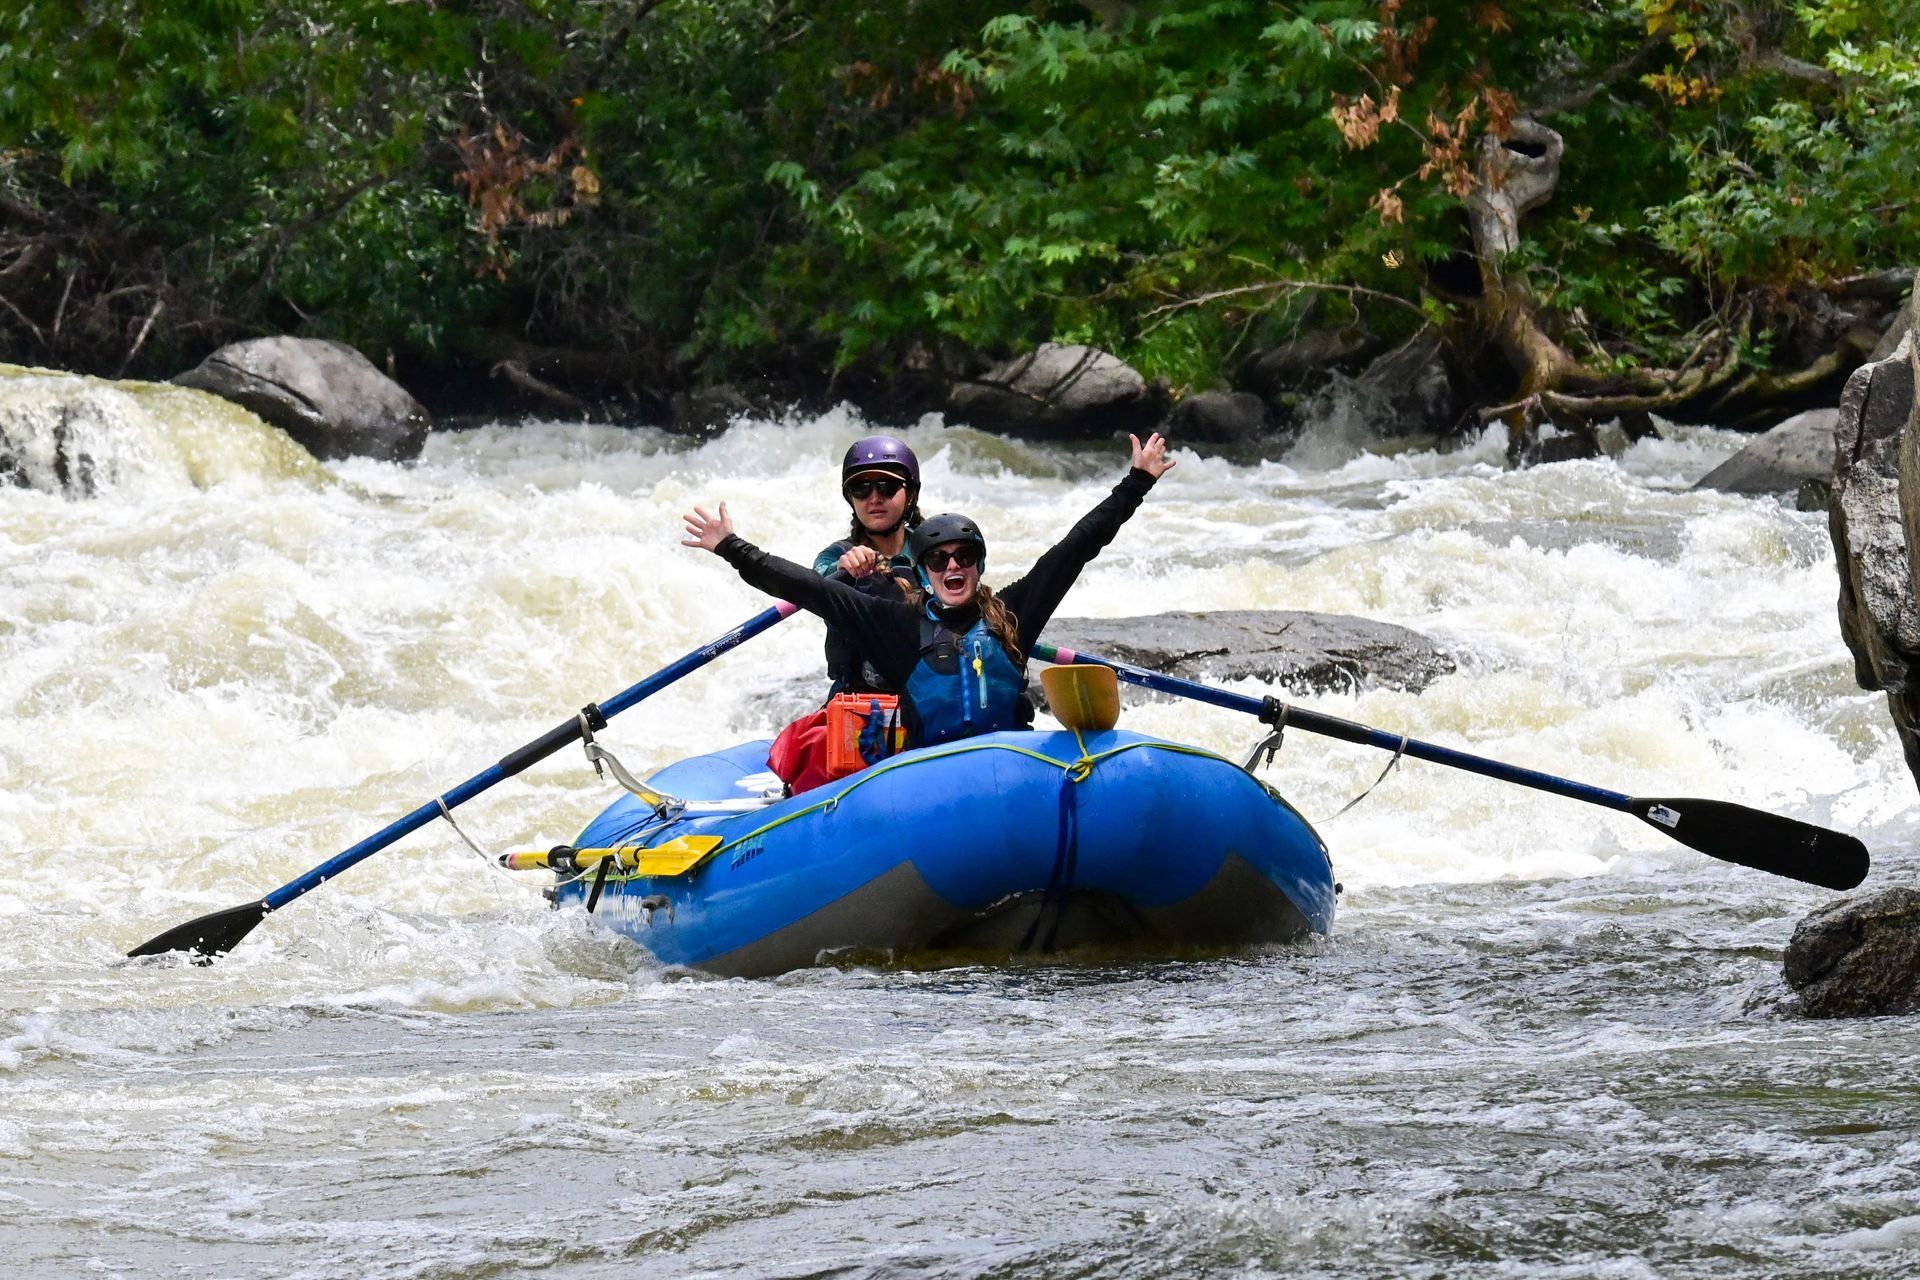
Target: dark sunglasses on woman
<point x="861" y="490"/>
<point x="965" y="557"/>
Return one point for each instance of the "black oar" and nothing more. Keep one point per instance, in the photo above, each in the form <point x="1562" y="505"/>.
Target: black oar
<point x="1717" y="828"/>
<point x="218" y="933"/>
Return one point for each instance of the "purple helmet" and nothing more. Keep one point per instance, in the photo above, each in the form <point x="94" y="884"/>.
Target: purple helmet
<point x="882" y="453"/>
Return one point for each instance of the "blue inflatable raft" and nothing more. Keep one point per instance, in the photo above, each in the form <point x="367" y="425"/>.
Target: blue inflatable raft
<point x="1008" y="842"/>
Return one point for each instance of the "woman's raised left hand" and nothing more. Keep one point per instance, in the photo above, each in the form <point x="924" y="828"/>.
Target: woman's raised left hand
<point x="1152" y="456"/>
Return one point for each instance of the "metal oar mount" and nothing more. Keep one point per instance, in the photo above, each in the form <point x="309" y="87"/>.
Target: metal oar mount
<point x="218" y="933"/>
<point x="1730" y="832"/>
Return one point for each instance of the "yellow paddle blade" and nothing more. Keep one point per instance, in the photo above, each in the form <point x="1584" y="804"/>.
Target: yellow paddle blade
<point x="1086" y="698"/>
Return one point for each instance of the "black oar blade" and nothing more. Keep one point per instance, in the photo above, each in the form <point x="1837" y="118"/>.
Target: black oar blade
<point x="1763" y="841"/>
<point x="209" y="936"/>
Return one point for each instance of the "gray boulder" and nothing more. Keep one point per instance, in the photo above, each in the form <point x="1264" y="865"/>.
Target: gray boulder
<point x="1302" y="652"/>
<point x="1307" y="358"/>
<point x="327" y="396"/>
<point x="1858" y="957"/>
<point x="1793" y="453"/>
<point x="1409" y="390"/>
<point x="1218" y="417"/>
<point x="1873" y="514"/>
<point x="707" y="411"/>
<point x="1298" y="652"/>
<point x="1059" y="392"/>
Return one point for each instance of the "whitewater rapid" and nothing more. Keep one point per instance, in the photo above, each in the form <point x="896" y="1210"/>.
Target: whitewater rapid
<point x="223" y="666"/>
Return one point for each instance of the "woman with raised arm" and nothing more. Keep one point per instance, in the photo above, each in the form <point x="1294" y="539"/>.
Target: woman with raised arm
<point x="956" y="649"/>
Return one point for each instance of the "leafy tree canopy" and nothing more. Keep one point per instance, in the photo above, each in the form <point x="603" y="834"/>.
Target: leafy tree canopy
<point x="722" y="187"/>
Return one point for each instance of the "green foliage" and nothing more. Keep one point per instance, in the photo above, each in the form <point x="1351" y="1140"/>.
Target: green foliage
<point x="1805" y="187"/>
<point x="1198" y="149"/>
<point x="717" y="187"/>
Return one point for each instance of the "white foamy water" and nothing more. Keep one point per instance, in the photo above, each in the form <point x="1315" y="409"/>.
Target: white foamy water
<point x="1543" y="1041"/>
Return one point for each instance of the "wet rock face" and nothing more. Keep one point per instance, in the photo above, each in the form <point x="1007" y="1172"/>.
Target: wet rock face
<point x="1859" y="957"/>
<point x="326" y="395"/>
<point x="1874" y="516"/>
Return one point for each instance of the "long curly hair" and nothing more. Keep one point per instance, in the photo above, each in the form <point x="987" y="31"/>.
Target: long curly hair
<point x="1000" y="620"/>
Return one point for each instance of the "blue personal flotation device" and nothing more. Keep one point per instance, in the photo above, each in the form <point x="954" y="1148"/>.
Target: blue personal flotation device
<point x="963" y="684"/>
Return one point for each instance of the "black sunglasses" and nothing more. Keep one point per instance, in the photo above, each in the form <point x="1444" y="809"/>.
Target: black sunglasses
<point x="887" y="486"/>
<point x="965" y="557"/>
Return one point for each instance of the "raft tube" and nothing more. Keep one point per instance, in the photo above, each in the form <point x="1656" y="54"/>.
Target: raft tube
<point x="1008" y="842"/>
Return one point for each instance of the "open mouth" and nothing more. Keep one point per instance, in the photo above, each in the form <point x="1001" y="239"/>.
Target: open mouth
<point x="954" y="580"/>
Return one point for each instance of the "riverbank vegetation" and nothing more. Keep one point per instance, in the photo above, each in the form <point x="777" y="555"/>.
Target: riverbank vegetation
<point x="1597" y="206"/>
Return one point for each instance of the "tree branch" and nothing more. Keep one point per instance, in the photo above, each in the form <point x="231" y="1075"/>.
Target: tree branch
<point x="1619" y="71"/>
<point x="1350" y="290"/>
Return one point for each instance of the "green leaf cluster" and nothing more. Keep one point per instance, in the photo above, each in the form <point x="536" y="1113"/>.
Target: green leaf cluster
<point x="1805" y="178"/>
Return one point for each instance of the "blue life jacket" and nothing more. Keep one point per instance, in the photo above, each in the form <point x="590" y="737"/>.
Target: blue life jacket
<point x="962" y="684"/>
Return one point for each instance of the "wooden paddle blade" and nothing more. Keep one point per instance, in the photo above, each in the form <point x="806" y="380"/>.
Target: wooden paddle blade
<point x="1763" y="841"/>
<point x="209" y="936"/>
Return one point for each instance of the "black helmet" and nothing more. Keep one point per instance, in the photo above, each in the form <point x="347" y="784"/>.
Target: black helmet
<point x="881" y="453"/>
<point x="936" y="530"/>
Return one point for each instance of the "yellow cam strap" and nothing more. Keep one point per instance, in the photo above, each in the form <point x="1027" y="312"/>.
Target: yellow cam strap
<point x="676" y="857"/>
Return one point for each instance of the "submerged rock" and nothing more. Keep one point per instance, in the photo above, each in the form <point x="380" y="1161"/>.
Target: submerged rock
<point x="326" y="395"/>
<point x="1858" y="957"/>
<point x="82" y="437"/>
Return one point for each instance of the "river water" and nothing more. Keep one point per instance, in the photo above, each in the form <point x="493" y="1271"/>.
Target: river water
<point x="1542" y="1042"/>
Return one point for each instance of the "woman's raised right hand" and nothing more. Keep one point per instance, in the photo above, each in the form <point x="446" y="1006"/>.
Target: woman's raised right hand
<point x="858" y="562"/>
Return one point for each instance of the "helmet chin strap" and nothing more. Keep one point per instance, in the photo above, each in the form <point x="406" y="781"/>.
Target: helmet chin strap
<point x="896" y="526"/>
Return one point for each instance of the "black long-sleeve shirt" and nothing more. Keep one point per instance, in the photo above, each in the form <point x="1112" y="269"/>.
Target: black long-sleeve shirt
<point x="887" y="632"/>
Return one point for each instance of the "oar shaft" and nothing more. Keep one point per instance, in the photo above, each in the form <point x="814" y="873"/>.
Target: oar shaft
<point x="517" y="761"/>
<point x="1275" y="712"/>
<point x="1731" y="832"/>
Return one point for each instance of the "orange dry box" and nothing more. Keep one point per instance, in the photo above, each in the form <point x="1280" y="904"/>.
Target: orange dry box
<point x="862" y="729"/>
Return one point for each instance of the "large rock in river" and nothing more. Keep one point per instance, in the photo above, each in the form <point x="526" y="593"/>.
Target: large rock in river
<point x="1218" y="417"/>
<point x="1874" y="517"/>
<point x="1060" y="392"/>
<point x="1303" y="652"/>
<point x="1858" y="957"/>
<point x="1300" y="652"/>
<point x="1796" y="452"/>
<point x="326" y="395"/>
